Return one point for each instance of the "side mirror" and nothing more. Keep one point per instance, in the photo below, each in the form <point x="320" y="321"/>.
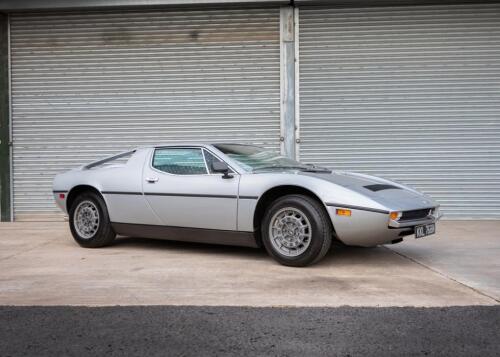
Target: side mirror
<point x="221" y="167"/>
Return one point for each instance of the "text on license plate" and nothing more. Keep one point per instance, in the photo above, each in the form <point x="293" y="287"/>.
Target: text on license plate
<point x="425" y="230"/>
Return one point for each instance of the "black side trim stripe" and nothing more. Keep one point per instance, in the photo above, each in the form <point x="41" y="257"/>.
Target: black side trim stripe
<point x="357" y="207"/>
<point x="59" y="191"/>
<point x="178" y="195"/>
<point x="121" y="193"/>
<point x="188" y="195"/>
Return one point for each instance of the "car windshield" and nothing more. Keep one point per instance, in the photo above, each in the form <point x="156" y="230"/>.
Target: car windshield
<point x="255" y="158"/>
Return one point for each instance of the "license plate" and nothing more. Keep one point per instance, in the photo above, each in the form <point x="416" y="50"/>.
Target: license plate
<point x="425" y="230"/>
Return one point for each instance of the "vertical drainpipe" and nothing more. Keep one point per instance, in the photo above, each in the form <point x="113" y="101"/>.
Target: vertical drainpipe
<point x="287" y="74"/>
<point x="5" y="172"/>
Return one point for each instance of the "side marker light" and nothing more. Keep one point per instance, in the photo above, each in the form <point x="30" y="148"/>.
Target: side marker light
<point x="343" y="212"/>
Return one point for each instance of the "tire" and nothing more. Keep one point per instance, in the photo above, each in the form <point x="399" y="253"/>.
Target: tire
<point x="301" y="212"/>
<point x="100" y="233"/>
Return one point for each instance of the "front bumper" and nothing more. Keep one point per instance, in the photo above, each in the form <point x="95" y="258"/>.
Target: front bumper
<point x="416" y="222"/>
<point x="367" y="228"/>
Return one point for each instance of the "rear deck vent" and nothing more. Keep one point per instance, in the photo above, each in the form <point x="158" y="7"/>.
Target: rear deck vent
<point x="380" y="187"/>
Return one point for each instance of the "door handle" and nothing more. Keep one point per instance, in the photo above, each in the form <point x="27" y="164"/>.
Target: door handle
<point x="152" y="179"/>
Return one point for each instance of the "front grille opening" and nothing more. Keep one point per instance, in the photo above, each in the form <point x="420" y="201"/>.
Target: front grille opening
<point x="415" y="214"/>
<point x="380" y="187"/>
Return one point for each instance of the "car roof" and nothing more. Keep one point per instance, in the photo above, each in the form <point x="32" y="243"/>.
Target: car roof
<point x="200" y="144"/>
<point x="152" y="146"/>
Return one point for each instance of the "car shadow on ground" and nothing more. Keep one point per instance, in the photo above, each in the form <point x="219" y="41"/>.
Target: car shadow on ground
<point x="186" y="247"/>
<point x="338" y="253"/>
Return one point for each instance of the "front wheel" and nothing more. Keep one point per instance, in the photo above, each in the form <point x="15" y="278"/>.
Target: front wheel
<point x="89" y="221"/>
<point x="296" y="230"/>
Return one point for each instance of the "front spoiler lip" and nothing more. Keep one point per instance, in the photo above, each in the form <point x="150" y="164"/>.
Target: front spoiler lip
<point x="414" y="222"/>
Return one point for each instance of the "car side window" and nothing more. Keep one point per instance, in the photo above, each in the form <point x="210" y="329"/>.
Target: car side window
<point x="180" y="161"/>
<point x="210" y="158"/>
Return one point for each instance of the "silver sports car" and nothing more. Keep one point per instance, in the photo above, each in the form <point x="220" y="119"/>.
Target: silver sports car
<point x="238" y="195"/>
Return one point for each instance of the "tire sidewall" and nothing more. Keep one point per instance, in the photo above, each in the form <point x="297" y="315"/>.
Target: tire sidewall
<point x="319" y="228"/>
<point x="98" y="239"/>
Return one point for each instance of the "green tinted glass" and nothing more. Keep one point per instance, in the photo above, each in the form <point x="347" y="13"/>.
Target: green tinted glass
<point x="180" y="161"/>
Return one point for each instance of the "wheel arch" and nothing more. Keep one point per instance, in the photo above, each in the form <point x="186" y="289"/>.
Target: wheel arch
<point x="272" y="194"/>
<point x="75" y="191"/>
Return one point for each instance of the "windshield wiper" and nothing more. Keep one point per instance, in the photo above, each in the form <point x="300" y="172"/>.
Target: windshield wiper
<point x="312" y="168"/>
<point x="280" y="167"/>
<point x="319" y="170"/>
<point x="301" y="168"/>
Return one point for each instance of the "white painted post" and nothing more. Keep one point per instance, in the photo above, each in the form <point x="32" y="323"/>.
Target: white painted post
<point x="287" y="74"/>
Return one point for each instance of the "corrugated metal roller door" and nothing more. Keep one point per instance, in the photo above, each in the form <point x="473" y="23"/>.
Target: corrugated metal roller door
<point x="86" y="85"/>
<point x="410" y="93"/>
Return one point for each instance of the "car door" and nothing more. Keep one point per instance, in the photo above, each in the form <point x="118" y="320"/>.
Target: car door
<point x="183" y="192"/>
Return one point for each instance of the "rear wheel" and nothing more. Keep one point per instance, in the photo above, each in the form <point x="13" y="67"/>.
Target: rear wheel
<point x="296" y="230"/>
<point x="89" y="221"/>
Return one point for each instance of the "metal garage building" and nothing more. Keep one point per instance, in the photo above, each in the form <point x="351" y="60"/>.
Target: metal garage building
<point x="409" y="92"/>
<point x="89" y="84"/>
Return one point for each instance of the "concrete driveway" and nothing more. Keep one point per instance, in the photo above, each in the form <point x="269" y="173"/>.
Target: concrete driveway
<point x="40" y="264"/>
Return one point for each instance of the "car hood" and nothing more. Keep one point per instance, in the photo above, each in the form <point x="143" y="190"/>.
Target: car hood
<point x="392" y="195"/>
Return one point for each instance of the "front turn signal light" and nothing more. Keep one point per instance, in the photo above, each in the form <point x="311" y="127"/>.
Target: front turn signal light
<point x="343" y="212"/>
<point x="395" y="216"/>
